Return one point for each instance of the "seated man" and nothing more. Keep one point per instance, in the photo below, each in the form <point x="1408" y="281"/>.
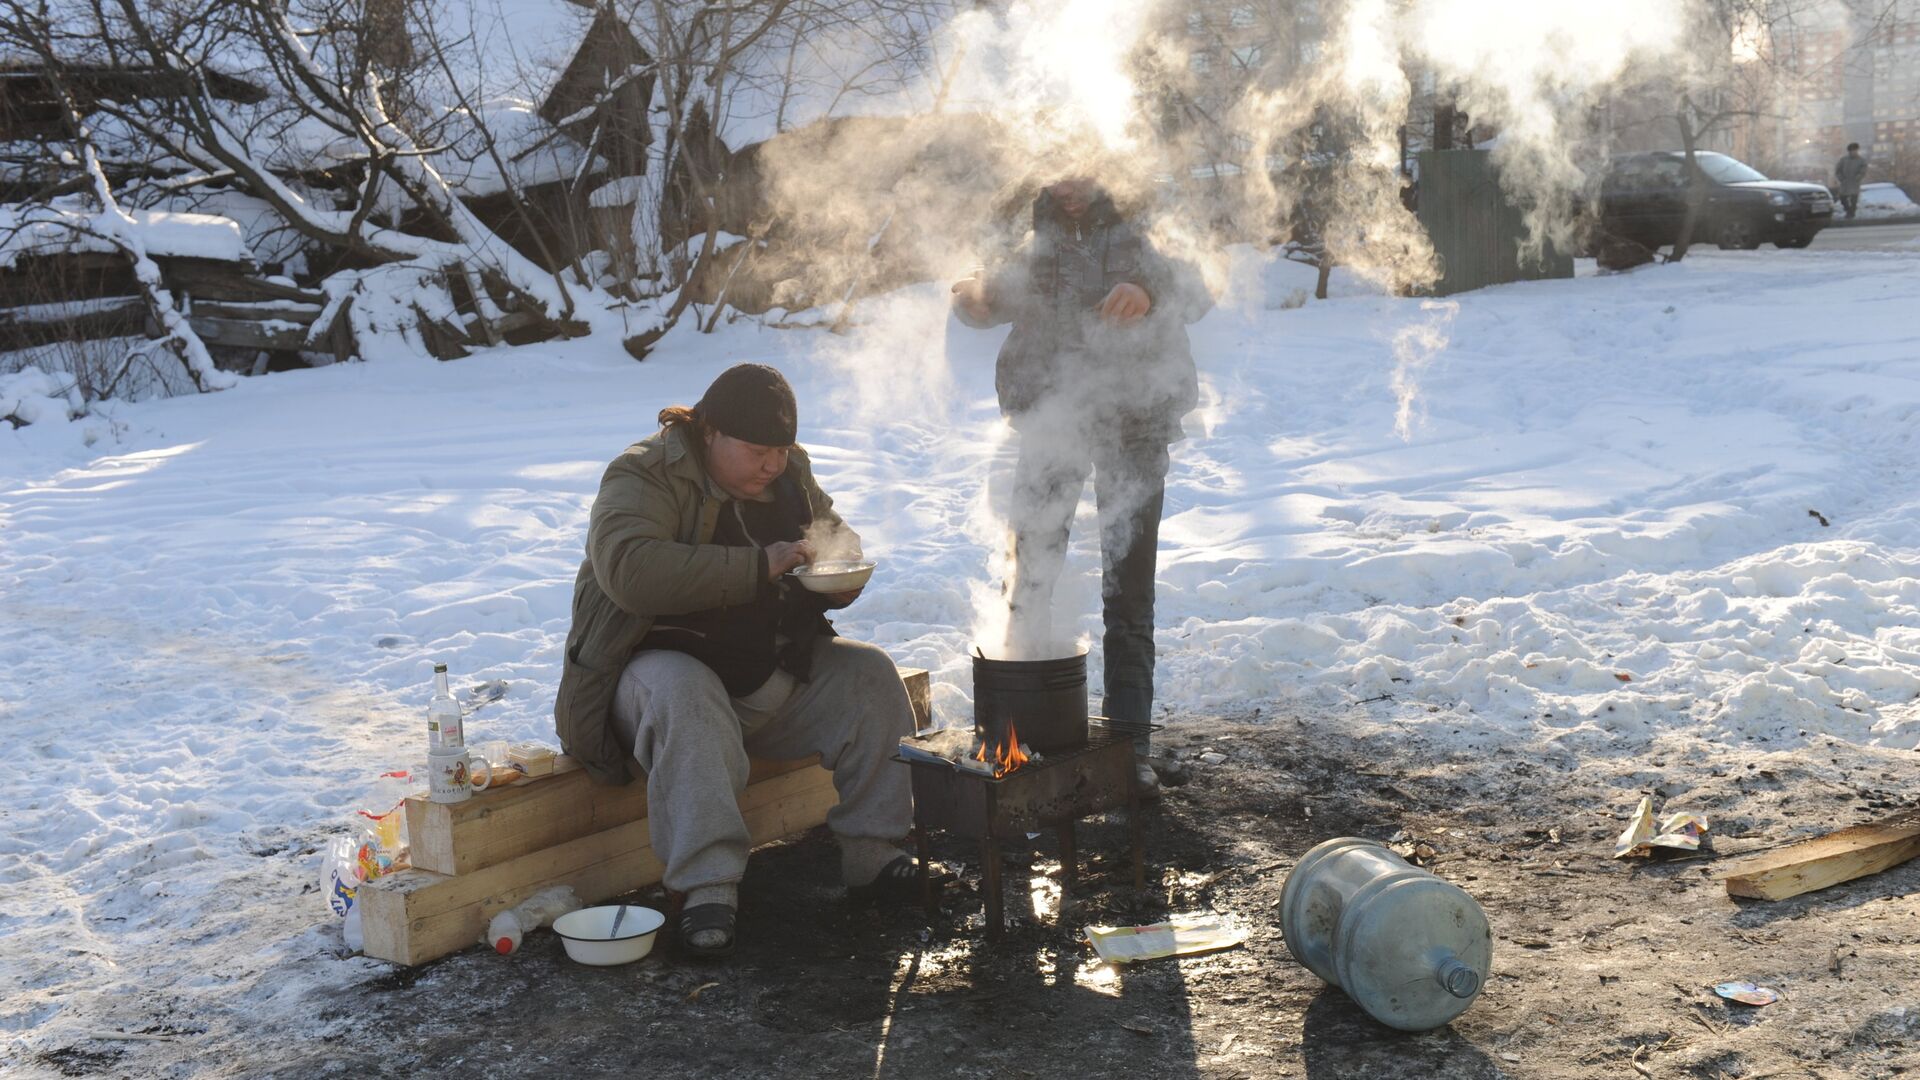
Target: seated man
<point x="690" y="651"/>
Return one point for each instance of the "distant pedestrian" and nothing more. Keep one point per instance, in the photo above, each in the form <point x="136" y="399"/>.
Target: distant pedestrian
<point x="1849" y="171"/>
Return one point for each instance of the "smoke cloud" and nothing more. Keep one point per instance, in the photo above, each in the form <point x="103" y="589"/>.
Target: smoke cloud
<point x="1032" y="92"/>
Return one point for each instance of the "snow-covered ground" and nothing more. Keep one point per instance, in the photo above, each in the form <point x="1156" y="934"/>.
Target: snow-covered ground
<point x="1681" y="502"/>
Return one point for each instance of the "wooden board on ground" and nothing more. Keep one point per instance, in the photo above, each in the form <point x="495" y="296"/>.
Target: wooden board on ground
<point x="417" y="915"/>
<point x="540" y="812"/>
<point x="1827" y="860"/>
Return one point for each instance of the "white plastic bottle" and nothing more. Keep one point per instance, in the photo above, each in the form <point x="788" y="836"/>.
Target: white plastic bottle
<point x="444" y="730"/>
<point x="506" y="929"/>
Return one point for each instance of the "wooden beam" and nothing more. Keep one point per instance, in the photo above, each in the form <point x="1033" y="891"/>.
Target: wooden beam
<point x="542" y="811"/>
<point x="417" y="915"/>
<point x="248" y="334"/>
<point x="259" y="310"/>
<point x="1827" y="860"/>
<point x="206" y="280"/>
<point x="33" y="325"/>
<point x="538" y="812"/>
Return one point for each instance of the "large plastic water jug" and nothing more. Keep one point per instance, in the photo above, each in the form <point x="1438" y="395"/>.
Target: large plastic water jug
<point x="1409" y="948"/>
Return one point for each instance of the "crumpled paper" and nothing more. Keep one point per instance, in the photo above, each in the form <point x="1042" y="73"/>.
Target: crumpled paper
<point x="1180" y="935"/>
<point x="1680" y="830"/>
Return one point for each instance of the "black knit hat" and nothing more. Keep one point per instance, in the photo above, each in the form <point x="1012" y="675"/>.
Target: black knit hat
<point x="752" y="403"/>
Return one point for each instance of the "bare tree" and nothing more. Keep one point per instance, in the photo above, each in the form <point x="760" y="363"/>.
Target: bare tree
<point x="715" y="62"/>
<point x="329" y="70"/>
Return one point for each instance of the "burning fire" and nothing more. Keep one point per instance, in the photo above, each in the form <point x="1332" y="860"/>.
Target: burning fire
<point x="1006" y="757"/>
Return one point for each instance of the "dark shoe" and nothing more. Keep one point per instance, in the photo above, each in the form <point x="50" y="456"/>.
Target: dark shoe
<point x="705" y="917"/>
<point x="898" y="883"/>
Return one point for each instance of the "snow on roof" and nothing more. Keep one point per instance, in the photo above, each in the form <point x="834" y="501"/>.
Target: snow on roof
<point x="619" y="191"/>
<point x="40" y="230"/>
<point x="533" y="151"/>
<point x="506" y="48"/>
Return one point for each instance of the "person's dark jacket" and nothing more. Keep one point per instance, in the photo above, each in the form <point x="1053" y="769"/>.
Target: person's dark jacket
<point x="1061" y="351"/>
<point x="650" y="553"/>
<point x="1849" y="171"/>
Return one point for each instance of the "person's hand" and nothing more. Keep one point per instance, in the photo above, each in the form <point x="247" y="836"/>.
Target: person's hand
<point x="970" y="296"/>
<point x="838" y="600"/>
<point x="785" y="555"/>
<point x="1125" y="304"/>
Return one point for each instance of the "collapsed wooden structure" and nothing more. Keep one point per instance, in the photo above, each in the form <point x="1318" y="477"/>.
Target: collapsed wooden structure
<point x="239" y="312"/>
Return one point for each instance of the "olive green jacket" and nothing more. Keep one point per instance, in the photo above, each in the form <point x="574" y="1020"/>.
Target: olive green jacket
<point x="649" y="553"/>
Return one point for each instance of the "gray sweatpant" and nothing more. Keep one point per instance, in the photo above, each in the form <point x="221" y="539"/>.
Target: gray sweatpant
<point x="693" y="741"/>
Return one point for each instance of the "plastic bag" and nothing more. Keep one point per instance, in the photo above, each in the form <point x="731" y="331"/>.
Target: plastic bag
<point x="388" y="819"/>
<point x="340" y="874"/>
<point x="350" y="861"/>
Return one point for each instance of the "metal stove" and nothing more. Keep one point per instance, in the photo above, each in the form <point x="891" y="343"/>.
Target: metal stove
<point x="1053" y="791"/>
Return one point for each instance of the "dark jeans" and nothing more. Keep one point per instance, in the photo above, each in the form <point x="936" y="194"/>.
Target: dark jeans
<point x="1850" y="203"/>
<point x="1129" y="488"/>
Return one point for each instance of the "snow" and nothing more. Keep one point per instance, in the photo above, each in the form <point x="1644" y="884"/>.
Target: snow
<point x="514" y="48"/>
<point x="533" y="152"/>
<point x="617" y="192"/>
<point x="1675" y="503"/>
<point x="41" y="230"/>
<point x="32" y="396"/>
<point x="1886" y="201"/>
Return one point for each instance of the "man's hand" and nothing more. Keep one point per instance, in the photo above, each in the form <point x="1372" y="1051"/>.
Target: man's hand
<point x="1125" y="304"/>
<point x="838" y="600"/>
<point x="785" y="555"/>
<point x="970" y="296"/>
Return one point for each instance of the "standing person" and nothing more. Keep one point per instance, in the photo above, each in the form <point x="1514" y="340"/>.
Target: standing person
<point x="1849" y="171"/>
<point x="1095" y="376"/>
<point x="689" y="651"/>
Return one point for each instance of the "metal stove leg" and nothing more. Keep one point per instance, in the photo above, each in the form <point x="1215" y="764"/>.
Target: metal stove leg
<point x="926" y="873"/>
<point x="1136" y="838"/>
<point x="1069" y="867"/>
<point x="990" y="872"/>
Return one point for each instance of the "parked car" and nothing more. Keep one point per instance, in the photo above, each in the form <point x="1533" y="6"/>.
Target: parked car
<point x="1643" y="201"/>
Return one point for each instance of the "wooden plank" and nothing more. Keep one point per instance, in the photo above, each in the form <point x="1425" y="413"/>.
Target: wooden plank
<point x="542" y="811"/>
<point x="225" y="281"/>
<point x="538" y="812"/>
<point x="259" y="310"/>
<point x="1827" y="860"/>
<point x="33" y="325"/>
<point x="416" y="915"/>
<point x="245" y="333"/>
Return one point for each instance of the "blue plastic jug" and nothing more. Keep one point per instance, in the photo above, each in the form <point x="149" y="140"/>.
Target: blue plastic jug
<point x="1409" y="948"/>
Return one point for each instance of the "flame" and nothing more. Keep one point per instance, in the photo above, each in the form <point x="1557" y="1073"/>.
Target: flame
<point x="1006" y="757"/>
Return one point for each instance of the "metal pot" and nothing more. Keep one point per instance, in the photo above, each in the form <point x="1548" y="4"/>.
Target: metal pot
<point x="1044" y="701"/>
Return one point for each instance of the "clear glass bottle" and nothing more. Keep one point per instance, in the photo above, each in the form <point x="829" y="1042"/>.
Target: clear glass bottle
<point x="444" y="730"/>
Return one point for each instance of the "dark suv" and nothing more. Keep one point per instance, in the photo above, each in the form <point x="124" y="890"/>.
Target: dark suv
<point x="1643" y="201"/>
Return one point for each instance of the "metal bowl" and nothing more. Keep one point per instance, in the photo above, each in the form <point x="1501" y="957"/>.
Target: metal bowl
<point x="833" y="577"/>
<point x="588" y="934"/>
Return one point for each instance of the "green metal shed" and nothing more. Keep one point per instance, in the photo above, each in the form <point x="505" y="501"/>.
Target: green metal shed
<point x="1476" y="232"/>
